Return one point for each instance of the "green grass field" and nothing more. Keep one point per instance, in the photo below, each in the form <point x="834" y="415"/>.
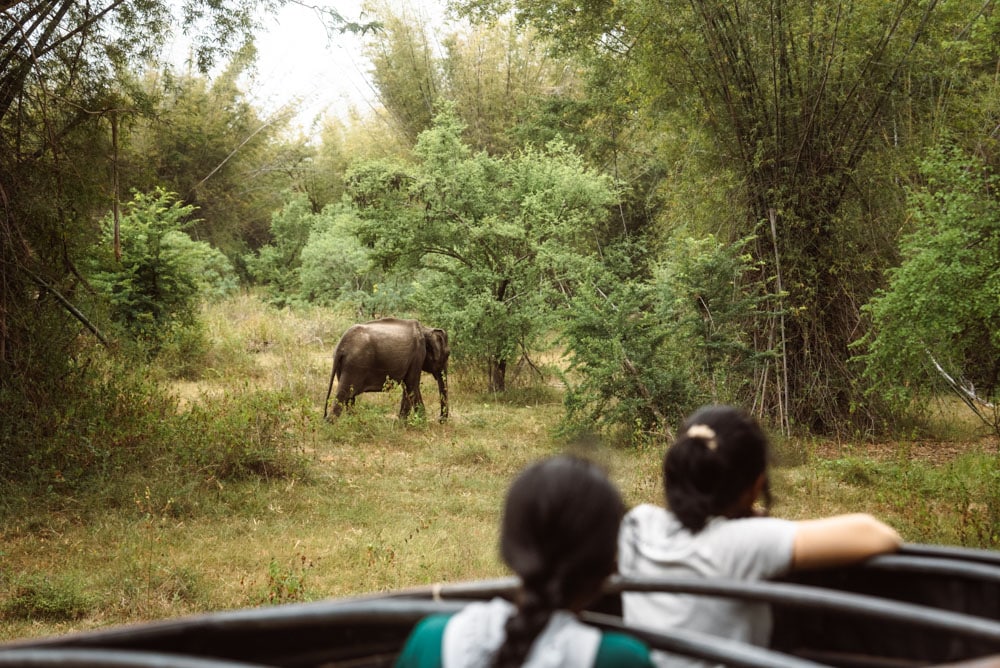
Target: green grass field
<point x="378" y="504"/>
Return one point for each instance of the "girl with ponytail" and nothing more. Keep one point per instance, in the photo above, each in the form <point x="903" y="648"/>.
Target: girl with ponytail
<point x="560" y="521"/>
<point x="714" y="475"/>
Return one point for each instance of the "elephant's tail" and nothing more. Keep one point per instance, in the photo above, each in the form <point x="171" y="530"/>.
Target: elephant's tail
<point x="335" y="373"/>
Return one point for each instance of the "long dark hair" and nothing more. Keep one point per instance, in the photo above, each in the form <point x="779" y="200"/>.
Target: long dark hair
<point x="718" y="455"/>
<point x="559" y="533"/>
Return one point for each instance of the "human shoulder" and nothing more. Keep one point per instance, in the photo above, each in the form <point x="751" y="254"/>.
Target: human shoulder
<point x="752" y="547"/>
<point x="649" y="537"/>
<point x="620" y="649"/>
<point x="752" y="526"/>
<point x="424" y="645"/>
<point x="647" y="517"/>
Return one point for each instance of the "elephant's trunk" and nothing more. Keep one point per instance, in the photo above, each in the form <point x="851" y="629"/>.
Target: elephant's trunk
<point x="442" y="380"/>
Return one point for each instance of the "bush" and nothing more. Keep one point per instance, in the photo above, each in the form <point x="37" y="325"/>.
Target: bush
<point x="111" y="422"/>
<point x="38" y="596"/>
<point x="250" y="434"/>
<point x="276" y="266"/>
<point x="645" y="352"/>
<point x="158" y="283"/>
<point x="184" y="351"/>
<point x="937" y="324"/>
<point x="103" y="418"/>
<point x="633" y="372"/>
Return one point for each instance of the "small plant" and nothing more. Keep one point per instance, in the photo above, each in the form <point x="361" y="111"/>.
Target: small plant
<point x="287" y="584"/>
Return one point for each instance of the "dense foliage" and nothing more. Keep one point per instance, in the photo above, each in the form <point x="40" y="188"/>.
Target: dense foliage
<point x="792" y="206"/>
<point x="80" y="124"/>
<point x="937" y="323"/>
<point x="808" y="104"/>
<point x="645" y="353"/>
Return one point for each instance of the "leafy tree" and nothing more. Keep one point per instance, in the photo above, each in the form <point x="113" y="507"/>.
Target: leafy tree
<point x="338" y="269"/>
<point x="405" y="70"/>
<point x="502" y="236"/>
<point x="937" y="323"/>
<point x="62" y="96"/>
<point x="205" y="141"/>
<point x="334" y="263"/>
<point x="627" y="375"/>
<point x="498" y="76"/>
<point x="715" y="299"/>
<point x="276" y="265"/>
<point x="67" y="99"/>
<point x="505" y="84"/>
<point x="324" y="182"/>
<point x="317" y="258"/>
<point x="157" y="285"/>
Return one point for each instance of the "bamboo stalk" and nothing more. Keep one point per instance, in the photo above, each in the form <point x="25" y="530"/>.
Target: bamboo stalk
<point x="783" y="388"/>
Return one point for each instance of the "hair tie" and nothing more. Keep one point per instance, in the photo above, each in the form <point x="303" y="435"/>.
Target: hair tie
<point x="706" y="433"/>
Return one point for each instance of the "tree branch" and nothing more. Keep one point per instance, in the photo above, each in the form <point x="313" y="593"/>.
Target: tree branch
<point x="74" y="311"/>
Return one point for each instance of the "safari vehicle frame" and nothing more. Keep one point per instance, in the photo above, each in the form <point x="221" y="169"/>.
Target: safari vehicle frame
<point x="925" y="606"/>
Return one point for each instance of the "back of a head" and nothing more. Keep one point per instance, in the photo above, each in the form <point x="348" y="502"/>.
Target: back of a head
<point x="719" y="454"/>
<point x="559" y="534"/>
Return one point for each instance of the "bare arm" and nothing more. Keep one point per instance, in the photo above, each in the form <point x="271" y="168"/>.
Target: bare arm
<point x="841" y="539"/>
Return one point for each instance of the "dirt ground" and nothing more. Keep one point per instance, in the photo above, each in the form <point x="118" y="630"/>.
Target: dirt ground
<point x="932" y="452"/>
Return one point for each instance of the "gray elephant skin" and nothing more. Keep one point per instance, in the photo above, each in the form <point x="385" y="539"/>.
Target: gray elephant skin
<point x="369" y="354"/>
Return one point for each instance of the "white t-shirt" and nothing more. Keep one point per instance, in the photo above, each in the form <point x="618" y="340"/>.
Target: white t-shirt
<point x="653" y="543"/>
<point x="473" y="636"/>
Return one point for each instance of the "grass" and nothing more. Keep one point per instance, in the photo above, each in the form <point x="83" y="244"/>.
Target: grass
<point x="369" y="503"/>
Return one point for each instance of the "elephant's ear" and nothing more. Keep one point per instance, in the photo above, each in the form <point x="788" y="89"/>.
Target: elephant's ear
<point x="437" y="347"/>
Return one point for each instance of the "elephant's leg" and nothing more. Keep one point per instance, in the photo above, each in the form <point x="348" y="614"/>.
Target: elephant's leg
<point x="344" y="399"/>
<point x="405" y="404"/>
<point x="337" y="409"/>
<point x="418" y="400"/>
<point x="411" y="400"/>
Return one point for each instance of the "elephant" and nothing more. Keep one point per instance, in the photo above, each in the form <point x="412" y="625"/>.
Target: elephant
<point x="370" y="353"/>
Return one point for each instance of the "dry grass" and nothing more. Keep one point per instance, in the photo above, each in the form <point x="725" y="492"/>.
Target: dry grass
<point x="384" y="504"/>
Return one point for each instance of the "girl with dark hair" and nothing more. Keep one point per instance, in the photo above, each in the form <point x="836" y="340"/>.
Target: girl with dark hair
<point x="714" y="475"/>
<point x="558" y="533"/>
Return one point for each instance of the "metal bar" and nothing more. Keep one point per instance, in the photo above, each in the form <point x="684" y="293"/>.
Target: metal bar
<point x="703" y="646"/>
<point x="926" y="565"/>
<point x="809" y="597"/>
<point x="966" y="554"/>
<point x="99" y="658"/>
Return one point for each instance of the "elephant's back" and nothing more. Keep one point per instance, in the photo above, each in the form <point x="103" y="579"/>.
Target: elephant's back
<point x="372" y="329"/>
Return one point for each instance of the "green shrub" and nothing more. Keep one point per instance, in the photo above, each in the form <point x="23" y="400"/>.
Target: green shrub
<point x="645" y="351"/>
<point x="627" y="375"/>
<point x="38" y="596"/>
<point x="335" y="266"/>
<point x="184" y="351"/>
<point x="105" y="417"/>
<point x="248" y="434"/>
<point x="286" y="584"/>
<point x="937" y="323"/>
<point x="276" y="266"/>
<point x="156" y="286"/>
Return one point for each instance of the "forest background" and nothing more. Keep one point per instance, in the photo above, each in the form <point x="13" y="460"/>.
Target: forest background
<point x="618" y="210"/>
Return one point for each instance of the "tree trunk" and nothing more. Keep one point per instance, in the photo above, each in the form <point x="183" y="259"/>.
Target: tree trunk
<point x="498" y="375"/>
